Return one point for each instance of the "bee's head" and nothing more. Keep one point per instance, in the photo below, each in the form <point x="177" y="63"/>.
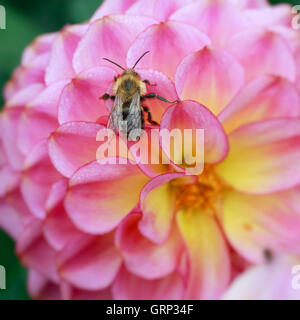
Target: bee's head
<point x="129" y="81"/>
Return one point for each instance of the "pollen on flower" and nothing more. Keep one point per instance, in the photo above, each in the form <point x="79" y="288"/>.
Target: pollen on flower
<point x="206" y="193"/>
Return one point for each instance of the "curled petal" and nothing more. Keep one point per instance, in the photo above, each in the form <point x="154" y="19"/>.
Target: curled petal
<point x="110" y="38"/>
<point x="9" y="122"/>
<point x="265" y="97"/>
<point x="264" y="157"/>
<point x="60" y="62"/>
<point x="57" y="227"/>
<point x="112" y="7"/>
<point x="158" y="9"/>
<point x="39" y="117"/>
<point x="208" y="271"/>
<point x="252" y="3"/>
<point x="35" y="252"/>
<point x="148" y="154"/>
<point x="39" y="46"/>
<point x="272" y="281"/>
<point x="68" y="156"/>
<point x="24" y="96"/>
<point x="211" y="17"/>
<point x="169" y="39"/>
<point x="158" y="206"/>
<point x="101" y="195"/>
<point x="15" y="200"/>
<point x="9" y="178"/>
<point x="192" y="115"/>
<point x="72" y="293"/>
<point x="270" y="15"/>
<point x="268" y="222"/>
<point x="10" y="220"/>
<point x="80" y="98"/>
<point x="93" y="264"/>
<point x="25" y="76"/>
<point x="39" y="287"/>
<point x="38" y="177"/>
<point x="130" y="287"/>
<point x="143" y="257"/>
<point x="259" y="51"/>
<point x="204" y="76"/>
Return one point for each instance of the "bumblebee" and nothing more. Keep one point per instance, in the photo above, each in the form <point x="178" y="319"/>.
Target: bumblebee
<point x="127" y="113"/>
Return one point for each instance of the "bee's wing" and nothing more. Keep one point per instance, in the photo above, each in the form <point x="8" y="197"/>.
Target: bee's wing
<point x="116" y="114"/>
<point x="134" y="118"/>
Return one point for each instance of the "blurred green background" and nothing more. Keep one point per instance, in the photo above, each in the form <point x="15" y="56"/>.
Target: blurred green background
<point x="24" y="21"/>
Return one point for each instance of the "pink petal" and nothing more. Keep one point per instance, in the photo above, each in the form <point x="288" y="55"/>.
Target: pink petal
<point x="208" y="272"/>
<point x="3" y="160"/>
<point x="9" y="121"/>
<point x="129" y="287"/>
<point x="35" y="253"/>
<point x="265" y="97"/>
<point x="39" y="287"/>
<point x="35" y="283"/>
<point x="110" y="38"/>
<point x="253" y="3"/>
<point x="148" y="154"/>
<point x="158" y="207"/>
<point x="204" y="76"/>
<point x="157" y="9"/>
<point x="24" y="76"/>
<point x="9" y="178"/>
<point x="71" y="293"/>
<point x="112" y="7"/>
<point x="211" y="17"/>
<point x="268" y="222"/>
<point x="15" y="200"/>
<point x="259" y="51"/>
<point x="271" y="281"/>
<point x="60" y="63"/>
<point x="38" y="177"/>
<point x="39" y="46"/>
<point x="297" y="55"/>
<point x="94" y="266"/>
<point x="24" y="96"/>
<point x="39" y="118"/>
<point x="101" y="195"/>
<point x="165" y="40"/>
<point x="57" y="194"/>
<point x="10" y="220"/>
<point x="192" y="115"/>
<point x="72" y="145"/>
<point x="144" y="258"/>
<point x="264" y="157"/>
<point x="57" y="228"/>
<point x="80" y="98"/>
<point x="269" y="16"/>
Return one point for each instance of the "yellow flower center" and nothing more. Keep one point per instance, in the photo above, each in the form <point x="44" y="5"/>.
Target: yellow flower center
<point x="206" y="193"/>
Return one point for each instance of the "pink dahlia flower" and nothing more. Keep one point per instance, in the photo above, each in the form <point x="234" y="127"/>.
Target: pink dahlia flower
<point x="86" y="229"/>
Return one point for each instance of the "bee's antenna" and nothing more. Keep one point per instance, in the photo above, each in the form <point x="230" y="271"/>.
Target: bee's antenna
<point x="140" y="59"/>
<point x="114" y="63"/>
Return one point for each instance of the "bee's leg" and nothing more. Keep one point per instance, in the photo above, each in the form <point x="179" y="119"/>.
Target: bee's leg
<point x="149" y="116"/>
<point x="154" y="95"/>
<point x="143" y="119"/>
<point x="106" y="96"/>
<point x="149" y="83"/>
